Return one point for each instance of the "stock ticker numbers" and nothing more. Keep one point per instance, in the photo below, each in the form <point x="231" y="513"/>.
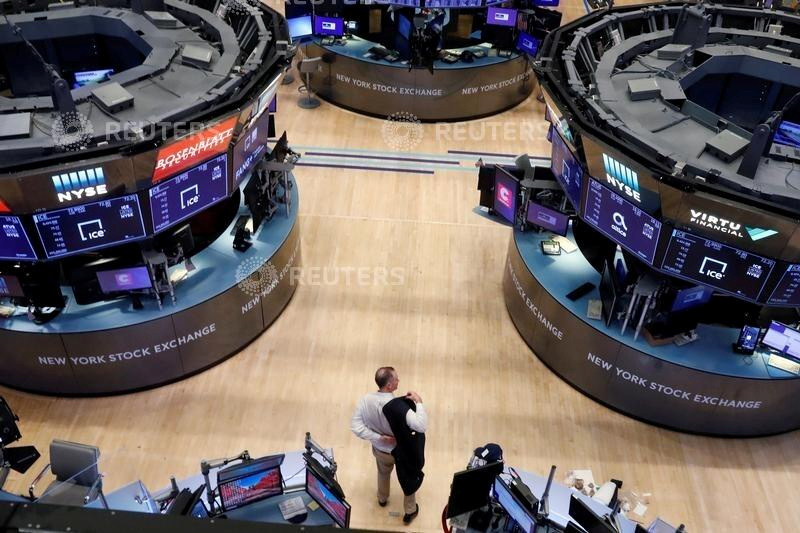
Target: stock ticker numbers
<point x="87" y="227"/>
<point x="718" y="265"/>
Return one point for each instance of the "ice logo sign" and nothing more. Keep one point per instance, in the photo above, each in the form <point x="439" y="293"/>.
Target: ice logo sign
<point x="713" y="268"/>
<point x="190" y="197"/>
<point x="622" y="178"/>
<point x="328" y="25"/>
<point x="80" y="184"/>
<point x="91" y="229"/>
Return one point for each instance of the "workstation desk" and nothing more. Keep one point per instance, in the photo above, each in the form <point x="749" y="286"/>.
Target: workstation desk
<point x="110" y="347"/>
<point x="351" y="78"/>
<point x="134" y="497"/>
<point x="702" y="387"/>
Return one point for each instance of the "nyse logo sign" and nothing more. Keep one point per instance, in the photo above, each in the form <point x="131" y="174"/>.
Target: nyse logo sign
<point x="80" y="184"/>
<point x="729" y="227"/>
<point x="622" y="178"/>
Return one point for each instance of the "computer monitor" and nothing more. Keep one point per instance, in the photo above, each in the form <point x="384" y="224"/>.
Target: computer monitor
<point x="498" y="16"/>
<point x="10" y="286"/>
<point x="512" y="506"/>
<point x="788" y="134"/>
<point x="691" y="297"/>
<point x="186" y="502"/>
<point x="250" y="482"/>
<point x="471" y="489"/>
<point x="280" y="150"/>
<point x="177" y="244"/>
<point x="336" y="507"/>
<point x="506" y="187"/>
<point x="351" y="25"/>
<point x="528" y="43"/>
<point x="548" y="218"/>
<point x="91" y="77"/>
<point x="580" y="512"/>
<point x="330" y="26"/>
<point x="608" y="292"/>
<point x="300" y="27"/>
<point x="124" y="279"/>
<point x="782" y="338"/>
<point x="41" y="285"/>
<point x="546" y="3"/>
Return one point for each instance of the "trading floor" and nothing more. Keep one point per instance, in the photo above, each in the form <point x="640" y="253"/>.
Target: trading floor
<point x="440" y="319"/>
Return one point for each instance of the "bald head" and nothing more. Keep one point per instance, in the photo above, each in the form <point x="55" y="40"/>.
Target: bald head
<point x="386" y="379"/>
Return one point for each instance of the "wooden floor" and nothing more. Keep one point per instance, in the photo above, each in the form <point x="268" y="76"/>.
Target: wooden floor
<point x="444" y="327"/>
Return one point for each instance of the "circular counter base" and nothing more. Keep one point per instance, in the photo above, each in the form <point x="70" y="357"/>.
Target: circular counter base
<point x="626" y="375"/>
<point x="228" y="301"/>
<point x="446" y="95"/>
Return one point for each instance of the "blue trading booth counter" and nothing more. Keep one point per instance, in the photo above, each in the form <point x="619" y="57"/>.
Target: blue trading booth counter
<point x="222" y="304"/>
<point x="701" y="387"/>
<point x="354" y="75"/>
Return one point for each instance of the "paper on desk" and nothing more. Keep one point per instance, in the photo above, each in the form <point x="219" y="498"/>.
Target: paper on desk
<point x="292" y="507"/>
<point x="585" y="475"/>
<point x="640" y="509"/>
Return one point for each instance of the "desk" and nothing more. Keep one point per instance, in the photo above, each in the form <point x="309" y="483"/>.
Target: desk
<point x="457" y="91"/>
<point x="293" y="470"/>
<point x="109" y="348"/>
<point x="702" y="387"/>
<point x="559" y="502"/>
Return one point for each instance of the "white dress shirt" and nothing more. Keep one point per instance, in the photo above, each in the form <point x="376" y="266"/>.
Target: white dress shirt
<point x="369" y="422"/>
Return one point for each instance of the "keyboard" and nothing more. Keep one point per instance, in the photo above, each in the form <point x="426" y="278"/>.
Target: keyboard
<point x="784" y="364"/>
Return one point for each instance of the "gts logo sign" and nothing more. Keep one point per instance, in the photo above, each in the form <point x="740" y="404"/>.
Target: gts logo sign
<point x="80" y="184"/>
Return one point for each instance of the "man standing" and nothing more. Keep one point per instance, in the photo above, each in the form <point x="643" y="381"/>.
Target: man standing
<point x="369" y="423"/>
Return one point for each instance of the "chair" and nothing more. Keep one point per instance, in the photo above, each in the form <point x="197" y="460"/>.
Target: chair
<point x="78" y="480"/>
<point x="308" y="66"/>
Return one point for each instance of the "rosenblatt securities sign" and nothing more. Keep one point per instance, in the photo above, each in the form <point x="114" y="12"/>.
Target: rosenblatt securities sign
<point x="194" y="149"/>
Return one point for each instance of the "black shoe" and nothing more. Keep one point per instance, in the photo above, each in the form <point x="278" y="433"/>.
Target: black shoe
<point x="382" y="503"/>
<point x="407" y="518"/>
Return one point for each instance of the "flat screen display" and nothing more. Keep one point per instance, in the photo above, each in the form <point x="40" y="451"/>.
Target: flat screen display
<point x="505" y="194"/>
<point x="328" y="26"/>
<point x="545" y="3"/>
<point x="528" y="43"/>
<point x="691" y="297"/>
<point x="124" y="279"/>
<point x="511" y="506"/>
<point x="300" y="27"/>
<point x="337" y="509"/>
<point x="712" y="263"/>
<point x="90" y="77"/>
<point x="782" y="338"/>
<point x="788" y="134"/>
<point x="567" y="169"/>
<point x="251" y="488"/>
<point x="498" y="16"/>
<point x="14" y="242"/>
<point x="251" y="146"/>
<point x="10" y="286"/>
<point x="621" y="221"/>
<point x="90" y="226"/>
<point x="548" y="218"/>
<point x="178" y="198"/>
<point x="787" y="291"/>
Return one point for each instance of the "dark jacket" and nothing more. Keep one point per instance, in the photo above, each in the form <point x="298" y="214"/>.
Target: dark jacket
<point x="409" y="453"/>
